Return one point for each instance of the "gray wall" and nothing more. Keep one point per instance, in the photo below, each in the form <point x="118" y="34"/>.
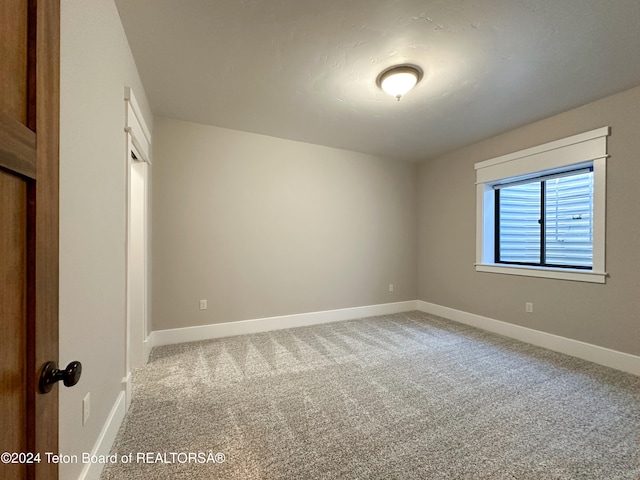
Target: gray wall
<point x="96" y="64"/>
<point x="606" y="315"/>
<point x="262" y="227"/>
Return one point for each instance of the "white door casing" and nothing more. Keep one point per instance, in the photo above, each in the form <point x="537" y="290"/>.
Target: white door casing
<point x="138" y="140"/>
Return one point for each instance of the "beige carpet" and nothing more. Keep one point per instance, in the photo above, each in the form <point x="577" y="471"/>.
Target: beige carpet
<point x="405" y="396"/>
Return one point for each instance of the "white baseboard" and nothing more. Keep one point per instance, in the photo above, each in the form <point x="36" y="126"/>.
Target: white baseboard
<point x="92" y="471"/>
<point x="586" y="351"/>
<point x="218" y="330"/>
<point x="126" y="387"/>
<point x="148" y="345"/>
<point x="575" y="348"/>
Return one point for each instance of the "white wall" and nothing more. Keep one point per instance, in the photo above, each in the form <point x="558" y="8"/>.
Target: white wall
<point x="261" y="226"/>
<point x="96" y="64"/>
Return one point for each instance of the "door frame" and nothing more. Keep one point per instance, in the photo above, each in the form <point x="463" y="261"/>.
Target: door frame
<point x="138" y="141"/>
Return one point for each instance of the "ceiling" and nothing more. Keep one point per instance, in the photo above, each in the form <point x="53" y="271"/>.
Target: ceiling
<point x="306" y="69"/>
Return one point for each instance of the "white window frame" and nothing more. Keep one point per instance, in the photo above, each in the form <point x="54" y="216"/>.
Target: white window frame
<point x="585" y="148"/>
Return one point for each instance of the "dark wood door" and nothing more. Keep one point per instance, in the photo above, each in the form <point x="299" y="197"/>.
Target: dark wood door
<point x="29" y="133"/>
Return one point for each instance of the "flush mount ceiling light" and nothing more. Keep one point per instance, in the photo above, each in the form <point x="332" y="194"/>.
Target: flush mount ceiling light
<point x="398" y="80"/>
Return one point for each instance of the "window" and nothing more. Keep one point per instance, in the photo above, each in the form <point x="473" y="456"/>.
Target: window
<point x="546" y="221"/>
<point x="541" y="210"/>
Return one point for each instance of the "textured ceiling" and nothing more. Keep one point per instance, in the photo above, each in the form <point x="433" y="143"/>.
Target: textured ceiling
<point x="306" y="70"/>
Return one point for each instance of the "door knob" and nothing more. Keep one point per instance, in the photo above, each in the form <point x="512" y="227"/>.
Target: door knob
<point x="51" y="374"/>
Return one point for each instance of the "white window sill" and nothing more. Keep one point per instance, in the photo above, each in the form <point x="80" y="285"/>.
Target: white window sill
<point x="576" y="275"/>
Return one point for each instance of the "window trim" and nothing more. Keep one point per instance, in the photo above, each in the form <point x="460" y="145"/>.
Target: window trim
<point x="585" y="148"/>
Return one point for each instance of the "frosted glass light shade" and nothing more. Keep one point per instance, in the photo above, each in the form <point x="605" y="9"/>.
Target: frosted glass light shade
<point x="398" y="81"/>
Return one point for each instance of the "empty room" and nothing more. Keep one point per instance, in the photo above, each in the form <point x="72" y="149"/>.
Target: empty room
<point x="321" y="240"/>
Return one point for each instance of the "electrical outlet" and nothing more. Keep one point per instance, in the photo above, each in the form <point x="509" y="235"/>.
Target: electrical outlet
<point x="203" y="304"/>
<point x="391" y="287"/>
<point x="528" y="307"/>
<point x="86" y="408"/>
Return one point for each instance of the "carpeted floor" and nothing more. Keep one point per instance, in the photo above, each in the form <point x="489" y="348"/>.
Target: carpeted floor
<point x="404" y="396"/>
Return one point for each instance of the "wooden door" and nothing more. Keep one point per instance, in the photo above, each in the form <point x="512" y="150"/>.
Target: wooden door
<point x="29" y="132"/>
